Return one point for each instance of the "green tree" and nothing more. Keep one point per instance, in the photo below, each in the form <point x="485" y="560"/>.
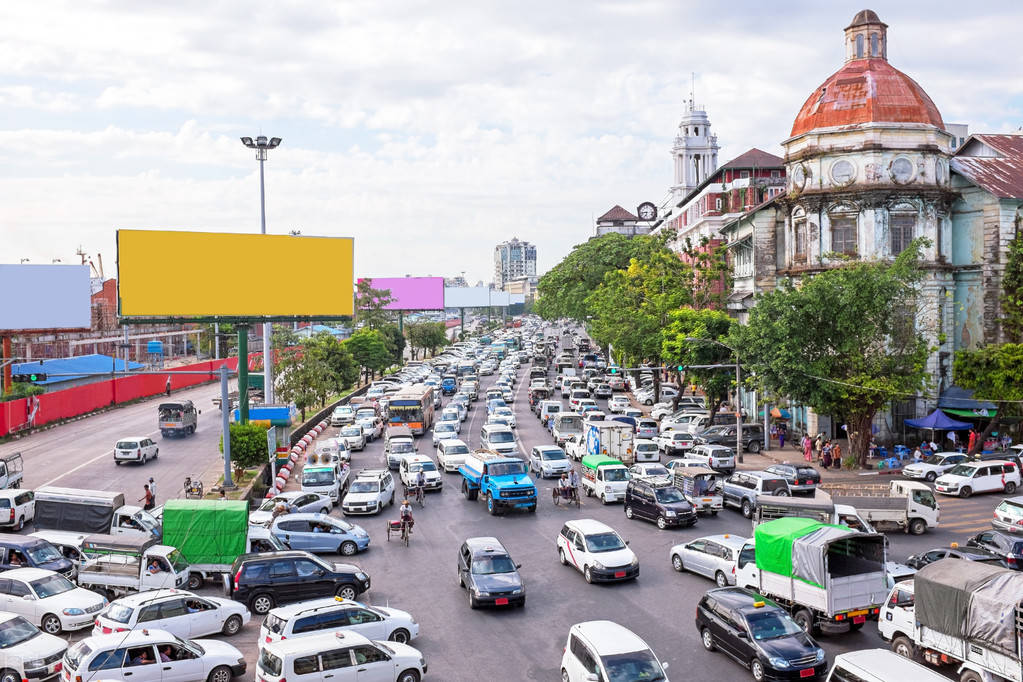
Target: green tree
<point x="395" y="342"/>
<point x="343" y="370"/>
<point x="248" y="445"/>
<point x="426" y="336"/>
<point x="227" y="341"/>
<point x="304" y="378"/>
<point x="370" y="304"/>
<point x="1012" y="288"/>
<point x="21" y="390"/>
<point x="843" y="342"/>
<point x="713" y="325"/>
<point x="370" y="351"/>
<point x="993" y="372"/>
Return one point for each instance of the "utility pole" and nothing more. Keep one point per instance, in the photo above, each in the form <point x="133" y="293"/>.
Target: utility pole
<point x="225" y="409"/>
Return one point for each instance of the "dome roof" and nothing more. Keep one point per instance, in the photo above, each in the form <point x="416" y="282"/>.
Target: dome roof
<point x="865" y="91"/>
<point x="865" y="17"/>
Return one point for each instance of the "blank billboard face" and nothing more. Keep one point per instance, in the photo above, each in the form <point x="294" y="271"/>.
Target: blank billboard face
<point x="40" y="297"/>
<point x="469" y="297"/>
<point x="412" y="293"/>
<point x="165" y="274"/>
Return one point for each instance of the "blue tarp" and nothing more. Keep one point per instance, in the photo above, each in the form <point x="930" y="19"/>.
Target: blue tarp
<point x="956" y="398"/>
<point x="939" y="421"/>
<point x="86" y="364"/>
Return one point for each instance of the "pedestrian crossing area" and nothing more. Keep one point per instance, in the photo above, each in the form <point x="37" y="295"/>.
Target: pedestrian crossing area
<point x="966" y="516"/>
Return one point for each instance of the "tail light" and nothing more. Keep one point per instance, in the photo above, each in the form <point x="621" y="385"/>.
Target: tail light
<point x="237" y="577"/>
<point x="11" y="519"/>
<point x="1012" y="561"/>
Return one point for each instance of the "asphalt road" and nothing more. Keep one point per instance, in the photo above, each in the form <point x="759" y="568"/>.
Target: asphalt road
<point x="459" y="643"/>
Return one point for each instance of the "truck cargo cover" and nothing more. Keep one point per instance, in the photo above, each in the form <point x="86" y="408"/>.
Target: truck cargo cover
<point x="798" y="547"/>
<point x="970" y="599"/>
<point x="207" y="531"/>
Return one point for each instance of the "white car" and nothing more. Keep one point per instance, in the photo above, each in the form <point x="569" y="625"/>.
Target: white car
<point x="451" y="454"/>
<point x="617" y="403"/>
<point x="17" y="507"/>
<point x="300" y="500"/>
<point x="674" y="442"/>
<point x="140" y="654"/>
<point x="549" y="461"/>
<point x="597" y="551"/>
<point x="317" y="616"/>
<point x="28" y="654"/>
<point x="650" y="471"/>
<point x="183" y="614"/>
<point x="346" y="656"/>
<point x="353" y="436"/>
<point x="713" y="557"/>
<point x="411" y="465"/>
<point x="984" y="476"/>
<point x="604" y="650"/>
<point x="369" y="493"/>
<point x="49" y="600"/>
<point x="646" y="450"/>
<point x="139" y="449"/>
<point x="507" y="413"/>
<point x="372" y="426"/>
<point x="342" y="414"/>
<point x="445" y="431"/>
<point x="451" y="414"/>
<point x="933" y="466"/>
<point x="717" y="457"/>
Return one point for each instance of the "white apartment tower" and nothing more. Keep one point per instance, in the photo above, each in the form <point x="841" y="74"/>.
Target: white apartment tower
<point x="695" y="152"/>
<point x="514" y="259"/>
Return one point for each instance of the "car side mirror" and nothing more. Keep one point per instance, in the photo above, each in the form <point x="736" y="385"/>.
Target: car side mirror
<point x="591" y="677"/>
<point x="28" y="597"/>
<point x="518" y="565"/>
<point x="664" y="666"/>
<point x="742" y="634"/>
<point x="626" y="542"/>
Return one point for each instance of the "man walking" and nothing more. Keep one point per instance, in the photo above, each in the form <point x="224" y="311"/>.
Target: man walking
<point x="152" y="488"/>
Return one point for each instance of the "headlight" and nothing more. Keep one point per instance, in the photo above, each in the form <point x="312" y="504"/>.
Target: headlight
<point x="34" y="663"/>
<point x="778" y="662"/>
<point x="820" y="655"/>
<point x="635" y="562"/>
<point x="517" y="591"/>
<point x="599" y="566"/>
<point x="73" y="612"/>
<point x="670" y="514"/>
<point x="361" y="576"/>
<point x="481" y="593"/>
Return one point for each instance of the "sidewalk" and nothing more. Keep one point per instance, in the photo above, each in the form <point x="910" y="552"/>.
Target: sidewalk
<point x="792" y="455"/>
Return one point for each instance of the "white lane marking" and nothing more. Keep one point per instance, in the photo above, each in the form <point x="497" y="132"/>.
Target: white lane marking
<point x="88" y="462"/>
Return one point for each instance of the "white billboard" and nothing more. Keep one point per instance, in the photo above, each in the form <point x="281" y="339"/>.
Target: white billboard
<point x="518" y="298"/>
<point x="42" y="297"/>
<point x="500" y="298"/>
<point x="468" y="297"/>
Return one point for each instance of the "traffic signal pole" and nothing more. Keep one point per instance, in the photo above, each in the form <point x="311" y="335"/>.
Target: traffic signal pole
<point x="5" y="385"/>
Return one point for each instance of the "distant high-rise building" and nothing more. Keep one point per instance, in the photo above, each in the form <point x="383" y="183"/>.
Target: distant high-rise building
<point x="513" y="259"/>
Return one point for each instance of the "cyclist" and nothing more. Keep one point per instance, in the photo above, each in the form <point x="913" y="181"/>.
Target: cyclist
<point x="405" y="514"/>
<point x="420" y="484"/>
<point x="573" y="480"/>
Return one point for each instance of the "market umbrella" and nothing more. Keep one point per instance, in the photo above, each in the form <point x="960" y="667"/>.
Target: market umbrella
<point x="780" y="413"/>
<point x="938" y="421"/>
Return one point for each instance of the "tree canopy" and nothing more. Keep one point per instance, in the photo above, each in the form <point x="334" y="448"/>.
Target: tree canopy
<point x="1012" y="290"/>
<point x="369" y="348"/>
<point x="993" y="373"/>
<point x="370" y="304"/>
<point x="712" y="326"/>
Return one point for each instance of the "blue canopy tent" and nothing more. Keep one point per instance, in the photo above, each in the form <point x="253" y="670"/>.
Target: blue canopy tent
<point x="938" y="421"/>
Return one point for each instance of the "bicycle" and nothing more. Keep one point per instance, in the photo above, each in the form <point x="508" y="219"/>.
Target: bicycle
<point x="402" y="527"/>
<point x="416" y="494"/>
<point x="193" y="488"/>
<point x="572" y="496"/>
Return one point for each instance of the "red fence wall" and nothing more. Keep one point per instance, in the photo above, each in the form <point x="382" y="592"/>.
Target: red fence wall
<point x="71" y="402"/>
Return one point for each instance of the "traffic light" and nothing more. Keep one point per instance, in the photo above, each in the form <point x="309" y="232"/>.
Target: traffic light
<point x="612" y="370"/>
<point x="28" y="377"/>
<point x="681" y="368"/>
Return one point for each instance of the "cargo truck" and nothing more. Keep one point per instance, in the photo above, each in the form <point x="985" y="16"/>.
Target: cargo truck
<point x="501" y="481"/>
<point x="211" y="534"/>
<point x="966" y="614"/>
<point x="610" y="439"/>
<point x="828" y="577"/>
<point x="117" y="565"/>
<point x="92" y="511"/>
<point x="605" y="477"/>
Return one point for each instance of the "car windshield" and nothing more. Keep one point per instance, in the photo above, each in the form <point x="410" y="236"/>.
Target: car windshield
<point x="351" y="431"/>
<point x="51" y="586"/>
<point x="119" y="613"/>
<point x="964" y="470"/>
<point x="15" y="631"/>
<point x="552" y="454"/>
<point x="645" y="447"/>
<point x="76" y="654"/>
<point x="507" y="469"/>
<point x="270" y="664"/>
<point x="422" y="466"/>
<point x="363" y="487"/>
<point x="933" y="459"/>
<point x="636" y="666"/>
<point x="444" y="427"/>
<point x="42" y="554"/>
<point x="127" y="445"/>
<point x="501" y="437"/>
<point x="668" y="495"/>
<point x="402" y="447"/>
<point x="274" y="624"/>
<point x="457" y="450"/>
<point x="366" y="413"/>
<point x="616" y="474"/>
<point x="771" y="625"/>
<point x="493" y="564"/>
<point x="318" y="477"/>
<point x="604" y="542"/>
<point x="177" y="561"/>
<point x="657" y="470"/>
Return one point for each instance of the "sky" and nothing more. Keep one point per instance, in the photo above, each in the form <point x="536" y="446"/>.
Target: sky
<point x="427" y="131"/>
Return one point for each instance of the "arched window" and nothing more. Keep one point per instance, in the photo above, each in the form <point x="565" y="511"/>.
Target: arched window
<point x="843" y="231"/>
<point x="874" y="46"/>
<point x="901" y="228"/>
<point x="859" y="46"/>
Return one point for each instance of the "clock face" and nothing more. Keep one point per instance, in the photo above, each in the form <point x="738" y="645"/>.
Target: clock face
<point x="647" y="211"/>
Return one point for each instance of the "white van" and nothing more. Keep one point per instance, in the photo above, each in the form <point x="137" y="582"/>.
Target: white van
<point x="985" y="476"/>
<point x="335" y="656"/>
<point x="451" y="454"/>
<point x="499" y="438"/>
<point x="548" y="408"/>
<point x="17" y="507"/>
<point x="566" y="425"/>
<point x="879" y="665"/>
<point x="603" y="650"/>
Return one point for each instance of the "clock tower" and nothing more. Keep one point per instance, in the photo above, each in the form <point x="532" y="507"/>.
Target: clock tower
<point x="695" y="152"/>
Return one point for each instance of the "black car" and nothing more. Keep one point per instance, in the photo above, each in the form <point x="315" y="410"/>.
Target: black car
<point x="267" y="579"/>
<point x="1006" y="546"/>
<point x="801" y="478"/>
<point x="758" y="634"/>
<point x="658" y="501"/>
<point x="488" y="574"/>
<point x="752" y="436"/>
<point x="980" y="554"/>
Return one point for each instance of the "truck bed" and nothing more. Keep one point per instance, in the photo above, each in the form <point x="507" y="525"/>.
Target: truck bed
<point x="868" y="502"/>
<point x="112" y="565"/>
<point x="1008" y="667"/>
<point x="846" y="593"/>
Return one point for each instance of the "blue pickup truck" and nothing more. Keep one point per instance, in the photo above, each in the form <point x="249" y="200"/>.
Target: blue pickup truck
<point x="501" y="481"/>
<point x="449" y="384"/>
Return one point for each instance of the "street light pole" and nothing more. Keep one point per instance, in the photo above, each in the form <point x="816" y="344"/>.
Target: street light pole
<point x="738" y="403"/>
<point x="262" y="145"/>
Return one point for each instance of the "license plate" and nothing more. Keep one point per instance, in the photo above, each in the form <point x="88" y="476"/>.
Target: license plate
<point x="503" y="601"/>
<point x="619" y="574"/>
<point x="860" y="619"/>
<point x="806" y="672"/>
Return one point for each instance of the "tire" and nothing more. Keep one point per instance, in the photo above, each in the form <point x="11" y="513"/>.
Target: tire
<point x="220" y="674"/>
<point x="720" y="579"/>
<point x="754" y="446"/>
<point x="965" y="492"/>
<point x="1010" y="488"/>
<point x="930" y="477"/>
<point x="348" y="548"/>
<point x="747" y="509"/>
<point x="804" y="619"/>
<point x="473" y="604"/>
<point x="261" y="603"/>
<point x="410" y="675"/>
<point x="676" y="563"/>
<point x="970" y="676"/>
<point x="564" y="676"/>
<point x="603" y="498"/>
<point x="346" y="592"/>
<point x="145" y="458"/>
<point x="232" y="626"/>
<point x="9" y="676"/>
<point x="708" y="639"/>
<point x="391" y="502"/>
<point x="491" y="507"/>
<point x="50" y="624"/>
<point x="324" y="511"/>
<point x="918" y="526"/>
<point x="195" y="581"/>
<point x="561" y="557"/>
<point x="20" y="524"/>
<point x="782" y="493"/>
<point x="756" y="669"/>
<point x="117" y="462"/>
<point x="587" y="574"/>
<point x="401" y="636"/>
<point x="628" y="512"/>
<point x="904" y="647"/>
<point x="661" y="523"/>
<point x="856" y="627"/>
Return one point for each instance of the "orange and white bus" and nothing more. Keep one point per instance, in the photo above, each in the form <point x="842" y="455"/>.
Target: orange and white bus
<point x="412" y="407"/>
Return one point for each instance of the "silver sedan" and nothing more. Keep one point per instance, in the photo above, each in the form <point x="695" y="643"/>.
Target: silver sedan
<point x="714" y="556"/>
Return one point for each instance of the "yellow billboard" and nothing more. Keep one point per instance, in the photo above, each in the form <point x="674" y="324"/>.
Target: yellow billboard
<point x="168" y="274"/>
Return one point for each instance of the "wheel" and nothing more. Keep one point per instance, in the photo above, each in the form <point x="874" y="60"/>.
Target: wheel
<point x="561" y="557"/>
<point x="163" y="433"/>
<point x="410" y="675"/>
<point x="756" y="668"/>
<point x="904" y="647"/>
<point x="324" y="511"/>
<point x="587" y="575"/>
<point x="919" y="526"/>
<point x="754" y="446"/>
<point x="970" y="676"/>
<point x="804" y="619"/>
<point x="145" y="458"/>
<point x="391" y="502"/>
<point x="232" y="625"/>
<point x="473" y="604"/>
<point x="261" y="604"/>
<point x="50" y="624"/>
<point x="965" y="492"/>
<point x="676" y="563"/>
<point x="117" y="462"/>
<point x="20" y="524"/>
<point x="346" y="592"/>
<point x="564" y="676"/>
<point x="9" y="676"/>
<point x="348" y="548"/>
<point x="747" y="509"/>
<point x="156" y="453"/>
<point x="628" y="512"/>
<point x="720" y="579"/>
<point x="603" y="498"/>
<point x="782" y="493"/>
<point x="708" y="639"/>
<point x="930" y="477"/>
<point x="220" y="674"/>
<point x="648" y="401"/>
<point x="855" y="627"/>
<point x="401" y="636"/>
<point x="195" y="581"/>
<point x="491" y="507"/>
<point x="1010" y="488"/>
<point x="661" y="523"/>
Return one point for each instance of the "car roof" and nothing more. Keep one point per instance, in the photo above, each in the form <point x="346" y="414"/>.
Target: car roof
<point x="292" y="610"/>
<point x="895" y="666"/>
<point x="29" y="574"/>
<point x="485" y="545"/>
<point x="588" y="526"/>
<point x="730" y="540"/>
<point x="741" y="599"/>
<point x="609" y="638"/>
<point x="316" y="643"/>
<point x="125" y="639"/>
<point x="150" y="596"/>
<point x="133" y="438"/>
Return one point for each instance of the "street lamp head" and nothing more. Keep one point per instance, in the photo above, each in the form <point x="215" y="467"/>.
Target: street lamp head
<point x="261" y="141"/>
<point x="247" y="141"/>
<point x="274" y="141"/>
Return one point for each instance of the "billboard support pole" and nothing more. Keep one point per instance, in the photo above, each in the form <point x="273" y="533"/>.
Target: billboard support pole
<point x="225" y="409"/>
<point x="463" y="321"/>
<point x="401" y="322"/>
<point x="5" y="385"/>
<point x="243" y="374"/>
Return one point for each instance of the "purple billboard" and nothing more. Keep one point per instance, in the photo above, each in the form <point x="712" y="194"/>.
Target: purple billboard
<point x="412" y="293"/>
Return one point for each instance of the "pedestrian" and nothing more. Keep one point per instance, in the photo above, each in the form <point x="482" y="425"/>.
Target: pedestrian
<point x="152" y="488"/>
<point x="826" y="459"/>
<point x="148" y="498"/>
<point x="223" y="495"/>
<point x="971" y="442"/>
<point x="167" y="386"/>
<point x="836" y="455"/>
<point x="807" y="448"/>
<point x="818" y="445"/>
<point x="774" y="431"/>
<point x="782" y="430"/>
